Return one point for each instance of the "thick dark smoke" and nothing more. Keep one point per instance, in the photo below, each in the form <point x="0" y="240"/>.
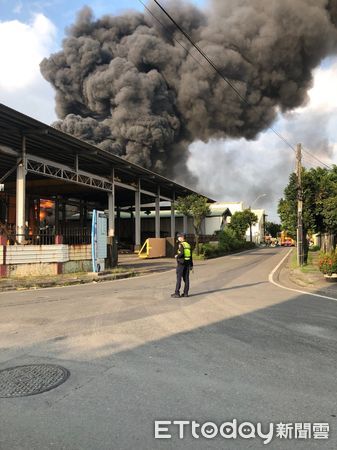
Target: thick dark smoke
<point x="126" y="85"/>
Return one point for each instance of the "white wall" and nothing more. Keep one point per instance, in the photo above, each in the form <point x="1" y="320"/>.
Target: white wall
<point x="213" y="223"/>
<point x="30" y="254"/>
<point x="257" y="229"/>
<point x="33" y="254"/>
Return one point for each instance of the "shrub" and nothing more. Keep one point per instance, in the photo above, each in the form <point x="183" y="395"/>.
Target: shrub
<point x="249" y="245"/>
<point x="314" y="248"/>
<point x="228" y="240"/>
<point x="327" y="263"/>
<point x="225" y="248"/>
<point x="209" y="251"/>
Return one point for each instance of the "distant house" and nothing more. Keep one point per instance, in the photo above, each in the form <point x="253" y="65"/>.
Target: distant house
<point x="221" y="213"/>
<point x="258" y="230"/>
<point x="219" y="217"/>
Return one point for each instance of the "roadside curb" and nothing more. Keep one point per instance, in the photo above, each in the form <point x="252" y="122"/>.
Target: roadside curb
<point x="276" y="271"/>
<point x="24" y="285"/>
<point x="17" y="285"/>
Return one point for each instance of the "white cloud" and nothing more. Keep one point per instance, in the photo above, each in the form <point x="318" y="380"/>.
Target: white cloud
<point x="21" y="83"/>
<point x="323" y="95"/>
<point x="241" y="170"/>
<point x="236" y="170"/>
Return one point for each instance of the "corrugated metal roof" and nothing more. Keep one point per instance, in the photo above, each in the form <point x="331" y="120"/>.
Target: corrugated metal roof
<point x="46" y="142"/>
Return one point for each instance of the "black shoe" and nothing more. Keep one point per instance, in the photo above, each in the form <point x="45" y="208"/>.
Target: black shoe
<point x="175" y="295"/>
<point x="185" y="295"/>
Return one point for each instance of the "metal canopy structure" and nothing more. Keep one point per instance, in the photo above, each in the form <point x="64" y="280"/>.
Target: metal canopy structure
<point x="54" y="154"/>
<point x="38" y="160"/>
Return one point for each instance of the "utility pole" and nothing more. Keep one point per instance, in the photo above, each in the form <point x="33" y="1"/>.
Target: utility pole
<point x="300" y="247"/>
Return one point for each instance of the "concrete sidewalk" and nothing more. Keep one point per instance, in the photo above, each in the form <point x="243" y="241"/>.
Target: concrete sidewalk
<point x="311" y="282"/>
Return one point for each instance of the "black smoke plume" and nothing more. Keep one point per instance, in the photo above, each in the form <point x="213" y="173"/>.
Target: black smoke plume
<point x="126" y="85"/>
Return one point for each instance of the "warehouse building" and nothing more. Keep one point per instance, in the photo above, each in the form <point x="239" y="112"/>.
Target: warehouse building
<point x="50" y="184"/>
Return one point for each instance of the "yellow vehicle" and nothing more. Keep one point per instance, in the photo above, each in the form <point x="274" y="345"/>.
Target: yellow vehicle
<point x="286" y="240"/>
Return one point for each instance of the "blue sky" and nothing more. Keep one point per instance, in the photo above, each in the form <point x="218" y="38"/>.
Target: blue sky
<point x="63" y="12"/>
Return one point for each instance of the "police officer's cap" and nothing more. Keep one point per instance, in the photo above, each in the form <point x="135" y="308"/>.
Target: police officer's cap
<point x="183" y="235"/>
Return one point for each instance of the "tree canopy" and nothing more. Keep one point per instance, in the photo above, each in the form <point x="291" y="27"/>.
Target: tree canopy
<point x="197" y="207"/>
<point x="319" y="201"/>
<point x="273" y="228"/>
<point x="241" y="221"/>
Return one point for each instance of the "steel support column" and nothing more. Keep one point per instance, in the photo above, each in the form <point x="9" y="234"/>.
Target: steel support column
<point x="111" y="201"/>
<point x="111" y="204"/>
<point x="21" y="195"/>
<point x="185" y="224"/>
<point x="157" y="219"/>
<point x="173" y="217"/>
<point x="137" y="218"/>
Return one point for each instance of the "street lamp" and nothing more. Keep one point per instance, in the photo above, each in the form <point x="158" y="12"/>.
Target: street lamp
<point x="258" y="198"/>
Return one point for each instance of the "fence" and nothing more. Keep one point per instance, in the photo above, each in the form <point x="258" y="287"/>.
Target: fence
<point x="75" y="236"/>
<point x="31" y="239"/>
<point x="326" y="241"/>
<point x="72" y="236"/>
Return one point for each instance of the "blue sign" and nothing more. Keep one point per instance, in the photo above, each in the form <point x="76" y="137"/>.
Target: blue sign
<point x="99" y="230"/>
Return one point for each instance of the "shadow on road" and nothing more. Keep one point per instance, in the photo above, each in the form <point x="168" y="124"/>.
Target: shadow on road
<point x="227" y="289"/>
<point x="261" y="361"/>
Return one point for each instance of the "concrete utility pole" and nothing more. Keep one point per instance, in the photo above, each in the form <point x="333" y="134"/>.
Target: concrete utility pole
<point x="300" y="247"/>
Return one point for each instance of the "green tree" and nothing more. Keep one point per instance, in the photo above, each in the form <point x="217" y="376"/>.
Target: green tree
<point x="287" y="208"/>
<point x="273" y="228"/>
<point x="319" y="203"/>
<point x="241" y="221"/>
<point x="330" y="214"/>
<point x="194" y="206"/>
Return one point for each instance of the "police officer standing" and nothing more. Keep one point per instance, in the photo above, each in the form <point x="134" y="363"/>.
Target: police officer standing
<point x="184" y="265"/>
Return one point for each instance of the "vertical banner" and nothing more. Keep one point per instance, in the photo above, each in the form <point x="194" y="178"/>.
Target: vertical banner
<point x="99" y="229"/>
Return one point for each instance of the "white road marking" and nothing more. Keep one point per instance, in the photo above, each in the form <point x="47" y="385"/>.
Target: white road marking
<point x="271" y="280"/>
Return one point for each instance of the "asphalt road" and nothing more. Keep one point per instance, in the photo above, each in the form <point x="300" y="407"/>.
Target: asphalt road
<point x="237" y="348"/>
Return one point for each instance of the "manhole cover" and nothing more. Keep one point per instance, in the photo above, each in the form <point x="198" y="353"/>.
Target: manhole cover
<point x="32" y="379"/>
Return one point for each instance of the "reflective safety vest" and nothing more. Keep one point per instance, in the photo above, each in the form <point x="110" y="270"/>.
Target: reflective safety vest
<point x="187" y="251"/>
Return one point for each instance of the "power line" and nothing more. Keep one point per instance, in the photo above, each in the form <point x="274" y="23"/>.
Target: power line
<point x="328" y="166"/>
<point x="308" y="164"/>
<point x="218" y="71"/>
<point x="175" y="39"/>
<point x="310" y="158"/>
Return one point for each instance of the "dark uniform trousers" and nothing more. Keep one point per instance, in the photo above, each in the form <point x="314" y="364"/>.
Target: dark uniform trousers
<point x="183" y="272"/>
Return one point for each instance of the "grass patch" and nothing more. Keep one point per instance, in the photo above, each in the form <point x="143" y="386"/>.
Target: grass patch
<point x="310" y="267"/>
<point x="293" y="260"/>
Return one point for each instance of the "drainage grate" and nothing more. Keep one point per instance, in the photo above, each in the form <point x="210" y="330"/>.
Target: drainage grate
<point x="31" y="379"/>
